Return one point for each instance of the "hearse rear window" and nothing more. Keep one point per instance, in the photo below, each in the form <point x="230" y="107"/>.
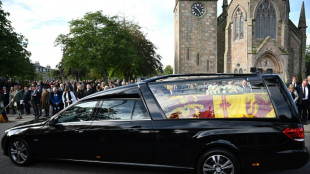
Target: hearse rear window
<point x="221" y="98"/>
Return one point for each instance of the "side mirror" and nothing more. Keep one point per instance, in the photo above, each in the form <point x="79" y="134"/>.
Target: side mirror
<point x="52" y="122"/>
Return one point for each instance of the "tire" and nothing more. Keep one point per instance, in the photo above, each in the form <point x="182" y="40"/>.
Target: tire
<point x="218" y="161"/>
<point x="19" y="152"/>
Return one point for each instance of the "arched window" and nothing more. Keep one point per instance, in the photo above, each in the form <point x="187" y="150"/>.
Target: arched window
<point x="239" y="20"/>
<point x="265" y="20"/>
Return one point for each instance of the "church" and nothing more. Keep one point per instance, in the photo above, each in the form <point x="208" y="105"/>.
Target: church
<point x="248" y="33"/>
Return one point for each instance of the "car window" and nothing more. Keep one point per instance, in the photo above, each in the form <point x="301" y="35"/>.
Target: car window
<point x="139" y="112"/>
<point x="115" y="110"/>
<point x="79" y="112"/>
<point x="220" y="98"/>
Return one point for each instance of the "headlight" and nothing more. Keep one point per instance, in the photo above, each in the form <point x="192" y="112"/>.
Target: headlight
<point x="13" y="132"/>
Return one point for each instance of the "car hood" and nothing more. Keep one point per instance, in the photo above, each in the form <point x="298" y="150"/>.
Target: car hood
<point x="32" y="123"/>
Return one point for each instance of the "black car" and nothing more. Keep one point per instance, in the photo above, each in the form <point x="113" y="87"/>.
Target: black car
<point x="211" y="123"/>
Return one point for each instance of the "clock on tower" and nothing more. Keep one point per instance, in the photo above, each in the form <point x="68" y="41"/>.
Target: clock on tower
<point x="195" y="36"/>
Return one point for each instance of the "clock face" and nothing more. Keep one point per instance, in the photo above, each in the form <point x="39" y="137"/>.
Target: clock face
<point x="198" y="9"/>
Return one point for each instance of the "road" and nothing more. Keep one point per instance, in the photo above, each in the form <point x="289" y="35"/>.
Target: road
<point x="64" y="167"/>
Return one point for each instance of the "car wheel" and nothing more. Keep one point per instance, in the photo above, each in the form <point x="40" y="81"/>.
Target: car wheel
<point x="218" y="161"/>
<point x="19" y="152"/>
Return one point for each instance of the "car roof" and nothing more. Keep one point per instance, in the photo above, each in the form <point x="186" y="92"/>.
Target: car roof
<point x="171" y="77"/>
<point x="174" y="77"/>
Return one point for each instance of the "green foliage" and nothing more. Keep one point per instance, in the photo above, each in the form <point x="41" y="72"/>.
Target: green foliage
<point x="168" y="70"/>
<point x="38" y="76"/>
<point x="14" y="56"/>
<point x="99" y="46"/>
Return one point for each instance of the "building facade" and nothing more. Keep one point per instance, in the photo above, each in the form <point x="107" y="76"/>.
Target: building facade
<point x="251" y="33"/>
<point x="42" y="70"/>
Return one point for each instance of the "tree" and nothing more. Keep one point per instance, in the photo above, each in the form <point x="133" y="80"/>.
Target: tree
<point x="107" y="46"/>
<point x="14" y="56"/>
<point x="168" y="70"/>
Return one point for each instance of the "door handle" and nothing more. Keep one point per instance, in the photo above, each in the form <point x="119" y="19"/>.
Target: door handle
<point x="80" y="131"/>
<point x="135" y="129"/>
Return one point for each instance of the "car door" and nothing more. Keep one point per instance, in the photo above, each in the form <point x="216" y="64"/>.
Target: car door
<point x="122" y="131"/>
<point x="68" y="137"/>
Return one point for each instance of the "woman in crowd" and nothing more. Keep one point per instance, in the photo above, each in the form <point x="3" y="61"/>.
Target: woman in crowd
<point x="12" y="93"/>
<point x="68" y="97"/>
<point x="45" y="101"/>
<point x="98" y="89"/>
<point x="80" y="92"/>
<point x="293" y="93"/>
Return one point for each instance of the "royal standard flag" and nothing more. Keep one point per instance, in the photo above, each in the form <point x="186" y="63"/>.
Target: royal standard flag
<point x="251" y="105"/>
<point x="3" y="116"/>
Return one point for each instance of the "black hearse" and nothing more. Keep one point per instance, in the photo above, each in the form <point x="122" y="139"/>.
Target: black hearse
<point x="212" y="123"/>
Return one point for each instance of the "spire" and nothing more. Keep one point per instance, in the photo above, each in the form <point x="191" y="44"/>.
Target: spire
<point x="302" y="18"/>
<point x="225" y="5"/>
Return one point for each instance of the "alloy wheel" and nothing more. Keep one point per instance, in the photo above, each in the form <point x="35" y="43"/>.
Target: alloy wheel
<point x="218" y="164"/>
<point x="19" y="152"/>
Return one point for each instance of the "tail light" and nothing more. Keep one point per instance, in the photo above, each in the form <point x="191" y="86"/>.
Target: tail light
<point x="296" y="134"/>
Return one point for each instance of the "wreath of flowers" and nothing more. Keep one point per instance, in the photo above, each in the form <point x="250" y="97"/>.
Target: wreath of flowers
<point x="228" y="89"/>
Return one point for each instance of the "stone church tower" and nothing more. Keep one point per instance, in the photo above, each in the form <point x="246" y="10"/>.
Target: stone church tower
<point x="259" y="33"/>
<point x="249" y="33"/>
<point x="195" y="36"/>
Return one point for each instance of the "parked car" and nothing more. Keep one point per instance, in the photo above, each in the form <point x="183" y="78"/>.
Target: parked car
<point x="210" y="123"/>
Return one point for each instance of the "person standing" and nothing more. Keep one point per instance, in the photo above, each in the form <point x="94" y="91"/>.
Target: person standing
<point x="45" y="101"/>
<point x="68" y="97"/>
<point x="293" y="93"/>
<point x="5" y="97"/>
<point x="12" y="93"/>
<point x="79" y="93"/>
<point x="27" y="100"/>
<point x="39" y="96"/>
<point x="17" y="100"/>
<point x="88" y="90"/>
<point x="303" y="100"/>
<point x="35" y="101"/>
<point x="294" y="82"/>
<point x="56" y="100"/>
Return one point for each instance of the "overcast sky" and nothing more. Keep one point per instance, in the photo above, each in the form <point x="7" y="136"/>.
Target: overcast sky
<point x="41" y="21"/>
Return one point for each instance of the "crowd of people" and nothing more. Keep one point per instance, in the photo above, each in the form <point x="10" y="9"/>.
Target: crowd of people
<point x="49" y="95"/>
<point x="300" y="93"/>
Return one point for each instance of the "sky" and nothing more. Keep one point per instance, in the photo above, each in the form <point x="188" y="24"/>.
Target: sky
<point x="41" y="21"/>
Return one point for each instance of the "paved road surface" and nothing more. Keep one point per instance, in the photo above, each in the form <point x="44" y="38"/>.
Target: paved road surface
<point x="61" y="167"/>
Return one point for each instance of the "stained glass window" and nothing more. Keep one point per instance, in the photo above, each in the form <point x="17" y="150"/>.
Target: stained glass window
<point x="265" y="20"/>
<point x="239" y="24"/>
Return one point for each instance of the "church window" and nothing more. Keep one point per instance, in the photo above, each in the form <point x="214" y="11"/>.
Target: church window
<point x="239" y="25"/>
<point x="236" y="27"/>
<point x="187" y="54"/>
<point x="208" y="65"/>
<point x="236" y="71"/>
<point x="197" y="58"/>
<point x="265" y="20"/>
<point x="240" y="71"/>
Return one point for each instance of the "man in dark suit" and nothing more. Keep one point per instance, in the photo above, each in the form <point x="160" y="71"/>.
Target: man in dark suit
<point x="38" y="88"/>
<point x="27" y="100"/>
<point x="56" y="100"/>
<point x="35" y="101"/>
<point x="5" y="97"/>
<point x="294" y="82"/>
<point x="88" y="90"/>
<point x="303" y="101"/>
